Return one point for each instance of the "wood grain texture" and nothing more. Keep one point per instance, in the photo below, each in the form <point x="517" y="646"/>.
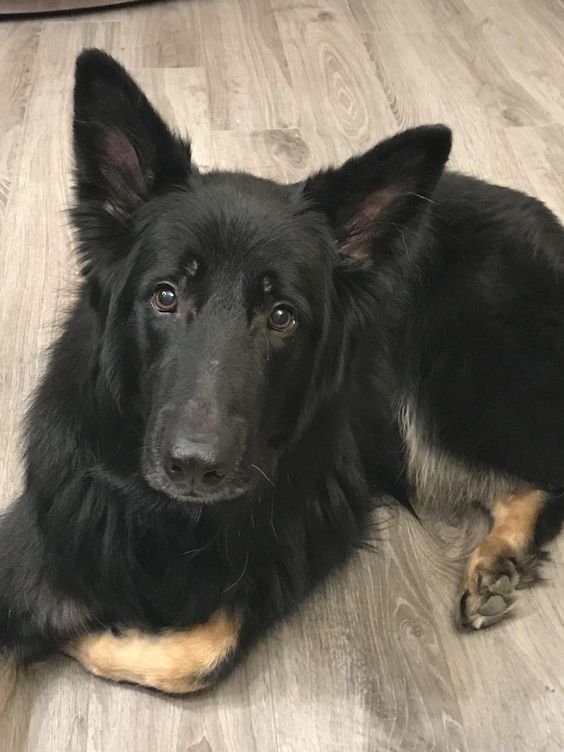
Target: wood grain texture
<point x="372" y="662"/>
<point x="18" y="45"/>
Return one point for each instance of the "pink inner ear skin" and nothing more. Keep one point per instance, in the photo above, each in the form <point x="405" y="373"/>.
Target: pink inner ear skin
<point x="121" y="168"/>
<point x="361" y="228"/>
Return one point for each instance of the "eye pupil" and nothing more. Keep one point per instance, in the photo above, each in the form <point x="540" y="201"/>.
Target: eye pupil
<point x="164" y="299"/>
<point x="280" y="316"/>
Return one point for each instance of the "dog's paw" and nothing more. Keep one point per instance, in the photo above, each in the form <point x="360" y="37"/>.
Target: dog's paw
<point x="175" y="661"/>
<point x="489" y="586"/>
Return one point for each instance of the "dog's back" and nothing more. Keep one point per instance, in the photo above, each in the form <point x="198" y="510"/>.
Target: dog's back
<point x="485" y="331"/>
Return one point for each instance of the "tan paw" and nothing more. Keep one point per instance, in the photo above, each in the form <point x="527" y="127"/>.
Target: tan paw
<point x="490" y="583"/>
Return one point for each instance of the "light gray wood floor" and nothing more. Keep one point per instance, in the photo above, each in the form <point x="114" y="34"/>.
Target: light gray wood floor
<point x="281" y="87"/>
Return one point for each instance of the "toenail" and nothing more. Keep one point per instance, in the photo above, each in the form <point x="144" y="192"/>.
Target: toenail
<point x="503" y="586"/>
<point x="493" y="606"/>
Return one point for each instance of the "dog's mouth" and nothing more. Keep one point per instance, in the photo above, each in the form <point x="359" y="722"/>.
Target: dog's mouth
<point x="229" y="489"/>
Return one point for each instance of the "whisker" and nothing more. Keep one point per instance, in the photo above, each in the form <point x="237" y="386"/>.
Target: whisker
<point x="195" y="550"/>
<point x="264" y="475"/>
<point x="102" y="624"/>
<point x="272" y="519"/>
<point x="418" y="195"/>
<point x="238" y="580"/>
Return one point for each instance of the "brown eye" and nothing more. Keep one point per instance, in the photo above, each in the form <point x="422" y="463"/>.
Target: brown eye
<point x="164" y="299"/>
<point x="282" y="318"/>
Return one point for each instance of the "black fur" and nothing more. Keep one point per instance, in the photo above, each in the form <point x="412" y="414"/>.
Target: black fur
<point x="403" y="281"/>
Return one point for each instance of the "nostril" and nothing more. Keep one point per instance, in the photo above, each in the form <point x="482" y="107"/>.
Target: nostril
<point x="213" y="477"/>
<point x="175" y="468"/>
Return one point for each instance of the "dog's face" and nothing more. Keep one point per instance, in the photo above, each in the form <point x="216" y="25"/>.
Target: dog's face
<point x="224" y="298"/>
<point x="227" y="311"/>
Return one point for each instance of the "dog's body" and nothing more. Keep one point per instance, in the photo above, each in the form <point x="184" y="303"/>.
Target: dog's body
<point x="250" y="367"/>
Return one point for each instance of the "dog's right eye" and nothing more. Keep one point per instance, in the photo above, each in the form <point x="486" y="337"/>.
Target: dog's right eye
<point x="164" y="299"/>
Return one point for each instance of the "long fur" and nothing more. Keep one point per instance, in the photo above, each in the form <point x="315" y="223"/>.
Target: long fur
<point x="427" y="361"/>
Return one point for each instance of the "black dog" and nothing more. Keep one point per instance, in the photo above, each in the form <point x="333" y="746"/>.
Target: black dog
<point x="248" y="366"/>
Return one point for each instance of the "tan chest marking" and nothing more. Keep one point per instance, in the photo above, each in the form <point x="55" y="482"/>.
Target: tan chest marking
<point x="174" y="661"/>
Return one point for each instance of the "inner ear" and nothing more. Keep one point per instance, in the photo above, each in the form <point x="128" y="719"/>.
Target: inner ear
<point x="124" y="151"/>
<point x="121" y="168"/>
<point x="377" y="195"/>
<point x="356" y="235"/>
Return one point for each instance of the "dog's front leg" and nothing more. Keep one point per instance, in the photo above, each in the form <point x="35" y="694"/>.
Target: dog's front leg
<point x="176" y="660"/>
<point x="506" y="559"/>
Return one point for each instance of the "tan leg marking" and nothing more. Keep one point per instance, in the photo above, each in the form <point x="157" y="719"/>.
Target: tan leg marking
<point x="503" y="559"/>
<point x="171" y="661"/>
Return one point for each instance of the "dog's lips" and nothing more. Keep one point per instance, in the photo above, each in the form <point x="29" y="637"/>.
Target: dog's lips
<point x="229" y="494"/>
<point x="226" y="492"/>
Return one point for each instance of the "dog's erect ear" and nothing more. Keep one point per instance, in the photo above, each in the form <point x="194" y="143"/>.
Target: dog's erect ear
<point x="381" y="192"/>
<point x="123" y="149"/>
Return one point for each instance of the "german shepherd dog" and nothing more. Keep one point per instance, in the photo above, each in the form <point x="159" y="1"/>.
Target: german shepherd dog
<point x="250" y="368"/>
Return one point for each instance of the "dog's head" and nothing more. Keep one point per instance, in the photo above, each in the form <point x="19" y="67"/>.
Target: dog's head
<point x="225" y="301"/>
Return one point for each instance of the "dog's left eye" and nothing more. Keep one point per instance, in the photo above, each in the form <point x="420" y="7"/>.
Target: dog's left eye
<point x="164" y="299"/>
<point x="282" y="318"/>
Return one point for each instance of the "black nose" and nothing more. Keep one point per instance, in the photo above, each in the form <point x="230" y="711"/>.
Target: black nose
<point x="194" y="466"/>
